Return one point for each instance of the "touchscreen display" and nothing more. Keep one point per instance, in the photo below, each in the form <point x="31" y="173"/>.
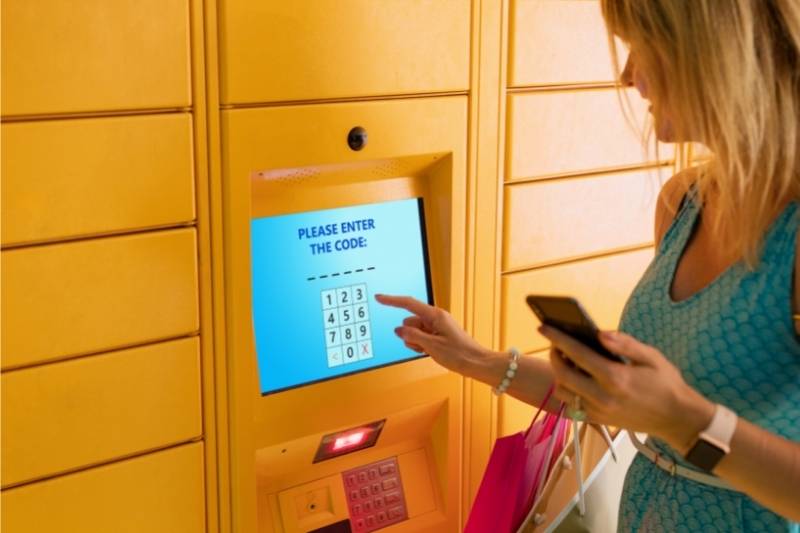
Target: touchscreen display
<point x="314" y="278"/>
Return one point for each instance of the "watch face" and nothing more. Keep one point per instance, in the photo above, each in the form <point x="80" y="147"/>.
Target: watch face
<point x="705" y="455"/>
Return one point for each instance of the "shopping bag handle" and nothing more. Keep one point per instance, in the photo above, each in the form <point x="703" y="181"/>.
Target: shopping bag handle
<point x="548" y="395"/>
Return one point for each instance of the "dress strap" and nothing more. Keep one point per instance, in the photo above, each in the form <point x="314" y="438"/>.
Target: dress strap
<point x="684" y="216"/>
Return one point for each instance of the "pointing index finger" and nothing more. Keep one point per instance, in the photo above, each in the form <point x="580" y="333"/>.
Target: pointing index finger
<point x="412" y="305"/>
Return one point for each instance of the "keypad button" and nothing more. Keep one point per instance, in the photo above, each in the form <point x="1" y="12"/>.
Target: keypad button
<point x="356" y="509"/>
<point x="368" y="507"/>
<point x="329" y="299"/>
<point x="392" y="497"/>
<point x="348" y="334"/>
<point x="362" y="331"/>
<point x="381" y="517"/>
<point x="362" y="477"/>
<point x="370" y="520"/>
<point x="351" y="480"/>
<point x="378" y="503"/>
<point x="346" y="315"/>
<point x="350" y="353"/>
<point x="373" y="473"/>
<point x="361" y="312"/>
<point x="389" y="484"/>
<point x="333" y="337"/>
<point x="331" y="318"/>
<point x="396" y="512"/>
<point x="335" y="356"/>
<point x="376" y="489"/>
<point x="364" y="492"/>
<point x="359" y="293"/>
<point x="387" y="469"/>
<point x="360" y="523"/>
<point x="344" y="296"/>
<point x="364" y="350"/>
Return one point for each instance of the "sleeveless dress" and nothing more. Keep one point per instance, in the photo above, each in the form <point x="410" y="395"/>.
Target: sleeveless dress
<point x="734" y="341"/>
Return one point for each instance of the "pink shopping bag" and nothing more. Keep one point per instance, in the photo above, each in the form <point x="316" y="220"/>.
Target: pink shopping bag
<point x="517" y="469"/>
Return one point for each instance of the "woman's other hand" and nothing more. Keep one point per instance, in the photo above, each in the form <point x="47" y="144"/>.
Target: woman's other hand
<point x="648" y="395"/>
<point x="434" y="331"/>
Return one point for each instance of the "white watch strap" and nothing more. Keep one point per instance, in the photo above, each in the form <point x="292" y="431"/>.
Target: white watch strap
<point x="720" y="431"/>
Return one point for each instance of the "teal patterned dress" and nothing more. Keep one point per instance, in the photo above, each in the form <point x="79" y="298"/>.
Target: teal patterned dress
<point x="734" y="341"/>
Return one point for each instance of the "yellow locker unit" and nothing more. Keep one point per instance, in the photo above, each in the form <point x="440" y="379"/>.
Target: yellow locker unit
<point x="69" y="299"/>
<point x="94" y="56"/>
<point x="558" y="220"/>
<point x="602" y="283"/>
<point x="160" y="492"/>
<point x="327" y="161"/>
<point x="543" y="138"/>
<point x="558" y="42"/>
<point x="101" y="357"/>
<point x="61" y="417"/>
<point x="331" y="49"/>
<point x="92" y="176"/>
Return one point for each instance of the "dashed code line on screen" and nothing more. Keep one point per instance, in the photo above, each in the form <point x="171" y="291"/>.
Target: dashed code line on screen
<point x="337" y="274"/>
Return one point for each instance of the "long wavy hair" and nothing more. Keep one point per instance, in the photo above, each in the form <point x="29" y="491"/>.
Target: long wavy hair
<point x="729" y="72"/>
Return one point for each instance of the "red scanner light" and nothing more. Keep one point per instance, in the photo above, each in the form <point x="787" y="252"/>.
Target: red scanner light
<point x="349" y="440"/>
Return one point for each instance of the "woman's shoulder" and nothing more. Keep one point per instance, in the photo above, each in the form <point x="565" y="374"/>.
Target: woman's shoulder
<point x="669" y="200"/>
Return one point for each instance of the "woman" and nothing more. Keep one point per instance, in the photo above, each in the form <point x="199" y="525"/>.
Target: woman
<point x="709" y="330"/>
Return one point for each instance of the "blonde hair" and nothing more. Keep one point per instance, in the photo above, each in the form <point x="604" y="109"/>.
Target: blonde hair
<point x="729" y="73"/>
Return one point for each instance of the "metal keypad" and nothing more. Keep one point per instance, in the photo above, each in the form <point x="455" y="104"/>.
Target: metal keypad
<point x="375" y="496"/>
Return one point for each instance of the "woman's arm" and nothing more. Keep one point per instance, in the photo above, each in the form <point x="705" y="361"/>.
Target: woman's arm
<point x="761" y="464"/>
<point x="531" y="381"/>
<point x="435" y="332"/>
<point x="650" y="396"/>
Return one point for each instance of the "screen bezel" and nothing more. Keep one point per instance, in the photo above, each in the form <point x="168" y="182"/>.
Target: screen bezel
<point x="430" y="301"/>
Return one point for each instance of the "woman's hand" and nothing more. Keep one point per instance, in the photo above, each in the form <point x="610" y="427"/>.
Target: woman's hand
<point x="649" y="395"/>
<point x="435" y="332"/>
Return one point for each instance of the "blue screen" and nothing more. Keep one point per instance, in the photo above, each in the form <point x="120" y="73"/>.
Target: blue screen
<point x="314" y="279"/>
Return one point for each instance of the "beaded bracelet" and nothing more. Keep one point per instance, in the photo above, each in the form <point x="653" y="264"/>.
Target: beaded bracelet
<point x="513" y="364"/>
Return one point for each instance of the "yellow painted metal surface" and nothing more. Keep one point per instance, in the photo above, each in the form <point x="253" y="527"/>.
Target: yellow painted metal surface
<point x="558" y="42"/>
<point x="420" y="437"/>
<point x="62" y="300"/>
<point x="157" y="493"/>
<point x="418" y="482"/>
<point x="415" y="148"/>
<point x="211" y="352"/>
<point x="557" y="133"/>
<point x="67" y="178"/>
<point x="321" y="49"/>
<point x="555" y="220"/>
<point x="601" y="284"/>
<point x="68" y="415"/>
<point x="313" y="505"/>
<point x="94" y="55"/>
<point x="486" y="147"/>
<point x="296" y="158"/>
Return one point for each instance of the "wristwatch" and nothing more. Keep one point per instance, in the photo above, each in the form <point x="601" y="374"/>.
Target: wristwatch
<point x="714" y="442"/>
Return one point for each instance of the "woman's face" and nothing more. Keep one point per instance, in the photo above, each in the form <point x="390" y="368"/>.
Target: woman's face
<point x="634" y="75"/>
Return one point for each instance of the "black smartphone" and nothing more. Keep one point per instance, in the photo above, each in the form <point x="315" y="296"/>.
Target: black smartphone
<point x="568" y="315"/>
